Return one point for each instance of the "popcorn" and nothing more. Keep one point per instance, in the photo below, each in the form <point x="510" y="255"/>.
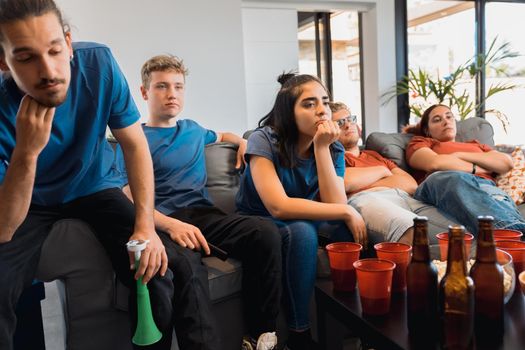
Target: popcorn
<point x="442" y="269"/>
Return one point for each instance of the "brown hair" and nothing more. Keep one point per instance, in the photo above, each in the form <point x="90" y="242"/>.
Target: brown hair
<point x="421" y="128"/>
<point x="161" y="63"/>
<point x="16" y="10"/>
<point x="282" y="116"/>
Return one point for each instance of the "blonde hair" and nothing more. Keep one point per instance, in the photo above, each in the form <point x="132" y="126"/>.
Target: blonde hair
<point x="161" y="63"/>
<point x="338" y="106"/>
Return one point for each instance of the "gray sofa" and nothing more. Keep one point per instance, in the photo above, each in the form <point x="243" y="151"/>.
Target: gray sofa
<point x="95" y="306"/>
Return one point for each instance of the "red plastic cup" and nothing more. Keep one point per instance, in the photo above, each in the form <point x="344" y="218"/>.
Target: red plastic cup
<point x="400" y="254"/>
<point x="443" y="244"/>
<point x="374" y="277"/>
<point x="342" y="256"/>
<point x="517" y="250"/>
<point x="507" y="235"/>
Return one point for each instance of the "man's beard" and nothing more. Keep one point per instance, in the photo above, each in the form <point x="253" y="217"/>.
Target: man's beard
<point x="52" y="99"/>
<point x="350" y="142"/>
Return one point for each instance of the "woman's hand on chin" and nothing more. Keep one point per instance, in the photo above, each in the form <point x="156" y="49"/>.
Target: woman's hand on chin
<point x="327" y="133"/>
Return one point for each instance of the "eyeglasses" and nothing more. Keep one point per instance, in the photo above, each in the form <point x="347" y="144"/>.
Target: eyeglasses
<point x="351" y="119"/>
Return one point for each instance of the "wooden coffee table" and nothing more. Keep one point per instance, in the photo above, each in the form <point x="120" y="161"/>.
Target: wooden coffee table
<point x="390" y="331"/>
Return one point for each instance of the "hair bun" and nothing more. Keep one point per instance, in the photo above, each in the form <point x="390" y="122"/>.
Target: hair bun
<point x="283" y="78"/>
<point x="414" y="129"/>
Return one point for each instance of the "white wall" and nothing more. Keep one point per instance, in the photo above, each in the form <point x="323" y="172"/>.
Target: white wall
<point x="207" y="34"/>
<point x="234" y="50"/>
<point x="379" y="60"/>
<point x="270" y="47"/>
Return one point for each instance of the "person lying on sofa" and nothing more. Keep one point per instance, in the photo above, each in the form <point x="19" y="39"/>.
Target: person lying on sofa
<point x="185" y="212"/>
<point x="56" y="100"/>
<point x="458" y="177"/>
<point x="295" y="176"/>
<point x="376" y="186"/>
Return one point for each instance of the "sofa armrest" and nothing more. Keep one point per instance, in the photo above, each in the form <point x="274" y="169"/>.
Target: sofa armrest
<point x="223" y="179"/>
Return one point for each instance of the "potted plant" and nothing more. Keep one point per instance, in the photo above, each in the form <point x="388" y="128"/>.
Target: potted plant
<point x="425" y="89"/>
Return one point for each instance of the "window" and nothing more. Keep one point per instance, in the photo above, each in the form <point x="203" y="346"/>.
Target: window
<point x="329" y="48"/>
<point x="444" y="34"/>
<point x="441" y="36"/>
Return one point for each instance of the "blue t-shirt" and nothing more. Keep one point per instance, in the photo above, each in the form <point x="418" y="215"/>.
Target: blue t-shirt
<point x="77" y="161"/>
<point x="179" y="164"/>
<point x="298" y="182"/>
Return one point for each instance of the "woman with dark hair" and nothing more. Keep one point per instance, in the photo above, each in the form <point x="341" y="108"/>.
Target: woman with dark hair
<point x="458" y="177"/>
<point x="295" y="175"/>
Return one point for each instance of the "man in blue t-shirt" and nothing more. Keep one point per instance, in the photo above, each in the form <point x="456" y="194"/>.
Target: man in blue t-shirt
<point x="185" y="212"/>
<point x="56" y="101"/>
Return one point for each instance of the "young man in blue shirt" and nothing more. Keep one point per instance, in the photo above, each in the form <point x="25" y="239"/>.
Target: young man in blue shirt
<point x="56" y="101"/>
<point x="185" y="211"/>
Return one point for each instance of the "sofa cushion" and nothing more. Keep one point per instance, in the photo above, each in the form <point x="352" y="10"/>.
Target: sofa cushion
<point x="513" y="182"/>
<point x="224" y="277"/>
<point x="393" y="145"/>
<point x="475" y="128"/>
<point x="223" y="179"/>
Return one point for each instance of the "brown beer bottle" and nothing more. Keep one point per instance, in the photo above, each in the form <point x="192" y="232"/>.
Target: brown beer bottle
<point x="487" y="275"/>
<point x="456" y="296"/>
<point x="422" y="287"/>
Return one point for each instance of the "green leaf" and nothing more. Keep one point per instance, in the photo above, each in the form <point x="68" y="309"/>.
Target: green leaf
<point x="432" y="88"/>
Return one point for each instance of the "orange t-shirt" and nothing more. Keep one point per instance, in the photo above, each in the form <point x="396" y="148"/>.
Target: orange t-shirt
<point x="448" y="147"/>
<point x="368" y="158"/>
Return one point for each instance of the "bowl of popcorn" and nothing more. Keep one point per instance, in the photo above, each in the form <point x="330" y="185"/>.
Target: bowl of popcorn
<point x="503" y="258"/>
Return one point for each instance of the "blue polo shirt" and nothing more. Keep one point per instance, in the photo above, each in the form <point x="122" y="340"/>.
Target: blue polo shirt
<point x="179" y="164"/>
<point x="77" y="161"/>
<point x="299" y="181"/>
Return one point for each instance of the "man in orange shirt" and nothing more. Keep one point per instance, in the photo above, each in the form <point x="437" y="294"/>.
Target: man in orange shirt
<point x="377" y="187"/>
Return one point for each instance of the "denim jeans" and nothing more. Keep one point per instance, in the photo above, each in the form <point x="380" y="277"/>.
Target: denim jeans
<point x="299" y="247"/>
<point x="465" y="196"/>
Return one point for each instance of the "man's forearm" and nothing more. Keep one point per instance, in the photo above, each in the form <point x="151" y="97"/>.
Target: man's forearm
<point x="140" y="173"/>
<point x="16" y="193"/>
<point x="231" y="138"/>
<point x="140" y="176"/>
<point x="397" y="181"/>
<point x="358" y="178"/>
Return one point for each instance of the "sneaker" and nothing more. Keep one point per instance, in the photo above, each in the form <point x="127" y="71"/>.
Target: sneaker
<point x="267" y="341"/>
<point x="248" y="343"/>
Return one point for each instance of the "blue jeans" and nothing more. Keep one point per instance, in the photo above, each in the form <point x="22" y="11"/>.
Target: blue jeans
<point x="465" y="196"/>
<point x="299" y="247"/>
